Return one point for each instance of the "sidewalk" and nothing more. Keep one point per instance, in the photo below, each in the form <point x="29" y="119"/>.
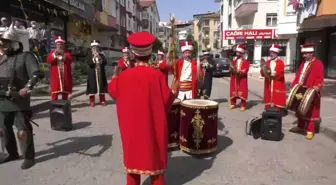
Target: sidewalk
<point x="328" y="102"/>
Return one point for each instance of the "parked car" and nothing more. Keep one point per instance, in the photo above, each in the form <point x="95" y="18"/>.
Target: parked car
<point x="222" y="67"/>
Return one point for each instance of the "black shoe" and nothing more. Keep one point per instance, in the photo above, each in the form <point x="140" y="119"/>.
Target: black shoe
<point x="8" y="158"/>
<point x="27" y="163"/>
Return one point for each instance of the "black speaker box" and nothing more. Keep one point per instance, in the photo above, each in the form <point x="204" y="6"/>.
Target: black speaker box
<point x="61" y="115"/>
<point x="271" y="126"/>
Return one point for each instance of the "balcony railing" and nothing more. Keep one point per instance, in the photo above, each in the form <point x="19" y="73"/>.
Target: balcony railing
<point x="237" y="3"/>
<point x="246" y="27"/>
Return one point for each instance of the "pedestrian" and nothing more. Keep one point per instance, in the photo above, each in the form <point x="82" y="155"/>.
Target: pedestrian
<point x="208" y="65"/>
<point x="142" y="118"/>
<point x="274" y="83"/>
<point x="60" y="70"/>
<point x="187" y="73"/>
<point x="96" y="79"/>
<point x="311" y="75"/>
<point x="125" y="62"/>
<point x="19" y="73"/>
<point x="239" y="69"/>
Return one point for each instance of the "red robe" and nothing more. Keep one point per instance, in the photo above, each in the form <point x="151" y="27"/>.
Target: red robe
<point x="279" y="85"/>
<point x="143" y="118"/>
<point x="122" y="64"/>
<point x="56" y="85"/>
<point x="314" y="75"/>
<point x="164" y="68"/>
<point x="242" y="87"/>
<point x="194" y="77"/>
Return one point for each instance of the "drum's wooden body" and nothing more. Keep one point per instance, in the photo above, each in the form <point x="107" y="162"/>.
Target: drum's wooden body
<point x="300" y="99"/>
<point x="198" y="126"/>
<point x="173" y="118"/>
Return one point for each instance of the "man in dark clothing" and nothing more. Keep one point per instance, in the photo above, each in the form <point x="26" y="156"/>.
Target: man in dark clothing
<point x="208" y="65"/>
<point x="19" y="72"/>
<point x="96" y="80"/>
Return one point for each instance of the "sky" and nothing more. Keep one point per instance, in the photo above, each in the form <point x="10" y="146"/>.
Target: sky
<point x="185" y="9"/>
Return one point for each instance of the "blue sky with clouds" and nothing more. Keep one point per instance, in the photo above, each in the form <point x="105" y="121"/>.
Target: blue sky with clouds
<point x="185" y="9"/>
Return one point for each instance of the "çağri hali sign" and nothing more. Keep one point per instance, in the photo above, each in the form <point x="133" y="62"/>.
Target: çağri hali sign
<point x="249" y="33"/>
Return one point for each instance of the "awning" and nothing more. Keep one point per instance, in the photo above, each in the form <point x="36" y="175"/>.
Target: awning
<point x="318" y="23"/>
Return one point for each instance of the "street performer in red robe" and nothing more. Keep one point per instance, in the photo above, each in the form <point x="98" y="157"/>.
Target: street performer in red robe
<point x="163" y="64"/>
<point x="239" y="69"/>
<point x="142" y="118"/>
<point x="125" y="62"/>
<point x="60" y="70"/>
<point x="311" y="75"/>
<point x="187" y="73"/>
<point x="274" y="83"/>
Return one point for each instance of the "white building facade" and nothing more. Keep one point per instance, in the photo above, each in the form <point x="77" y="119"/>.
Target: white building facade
<point x="150" y="14"/>
<point x="255" y="22"/>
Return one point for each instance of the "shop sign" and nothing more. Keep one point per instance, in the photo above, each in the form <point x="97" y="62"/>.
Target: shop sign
<point x="80" y="7"/>
<point x="249" y="34"/>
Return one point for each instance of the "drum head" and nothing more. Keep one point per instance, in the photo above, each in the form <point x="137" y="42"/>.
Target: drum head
<point x="200" y="103"/>
<point x="291" y="94"/>
<point x="177" y="101"/>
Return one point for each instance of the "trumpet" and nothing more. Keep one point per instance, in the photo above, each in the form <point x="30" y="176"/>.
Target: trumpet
<point x="59" y="54"/>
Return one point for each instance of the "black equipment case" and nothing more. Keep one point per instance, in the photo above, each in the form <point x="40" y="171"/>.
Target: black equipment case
<point x="61" y="115"/>
<point x="271" y="126"/>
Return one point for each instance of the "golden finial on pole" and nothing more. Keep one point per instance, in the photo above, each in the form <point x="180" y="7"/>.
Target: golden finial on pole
<point x="172" y="45"/>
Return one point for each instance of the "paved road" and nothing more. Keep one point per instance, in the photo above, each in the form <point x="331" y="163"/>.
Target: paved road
<point x="91" y="153"/>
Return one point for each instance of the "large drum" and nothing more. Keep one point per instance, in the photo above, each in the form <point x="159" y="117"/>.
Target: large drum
<point x="173" y="118"/>
<point x="300" y="99"/>
<point x="198" y="126"/>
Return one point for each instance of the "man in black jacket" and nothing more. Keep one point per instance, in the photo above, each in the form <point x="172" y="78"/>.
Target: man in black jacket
<point x="208" y="65"/>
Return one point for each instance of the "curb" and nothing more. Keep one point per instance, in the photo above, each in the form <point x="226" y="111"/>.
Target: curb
<point x="330" y="133"/>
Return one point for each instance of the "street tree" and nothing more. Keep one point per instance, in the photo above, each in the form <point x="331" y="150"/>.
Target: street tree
<point x="190" y="38"/>
<point x="158" y="45"/>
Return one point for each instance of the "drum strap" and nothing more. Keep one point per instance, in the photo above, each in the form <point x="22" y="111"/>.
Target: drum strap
<point x="309" y="69"/>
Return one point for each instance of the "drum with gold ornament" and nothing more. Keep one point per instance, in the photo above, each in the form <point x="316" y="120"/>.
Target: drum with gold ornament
<point x="173" y="119"/>
<point x="300" y="99"/>
<point x="198" y="126"/>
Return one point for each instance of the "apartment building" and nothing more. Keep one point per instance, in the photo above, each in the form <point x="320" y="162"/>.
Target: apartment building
<point x="183" y="29"/>
<point x="164" y="33"/>
<point x="150" y="16"/>
<point x="208" y="32"/>
<point x="253" y="22"/>
<point x="317" y="24"/>
<point x="196" y="18"/>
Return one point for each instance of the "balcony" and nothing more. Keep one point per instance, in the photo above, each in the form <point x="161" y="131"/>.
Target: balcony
<point x="245" y="8"/>
<point x="246" y="27"/>
<point x="205" y="26"/>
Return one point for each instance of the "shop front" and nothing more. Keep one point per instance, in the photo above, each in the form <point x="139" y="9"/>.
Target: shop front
<point x="256" y="42"/>
<point x="80" y="27"/>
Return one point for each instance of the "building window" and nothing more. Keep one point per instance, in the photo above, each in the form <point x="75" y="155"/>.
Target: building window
<point x="271" y="19"/>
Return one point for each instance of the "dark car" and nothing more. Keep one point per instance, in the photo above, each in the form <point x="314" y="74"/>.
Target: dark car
<point x="222" y="67"/>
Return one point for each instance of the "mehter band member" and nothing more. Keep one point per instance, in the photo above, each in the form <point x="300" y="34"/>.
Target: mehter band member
<point x="274" y="82"/>
<point x="60" y="70"/>
<point x="163" y="64"/>
<point x="142" y="118"/>
<point x="239" y="69"/>
<point x="19" y="73"/>
<point x="96" y="81"/>
<point x="208" y="65"/>
<point x="310" y="75"/>
<point x="187" y="73"/>
<point x="125" y="62"/>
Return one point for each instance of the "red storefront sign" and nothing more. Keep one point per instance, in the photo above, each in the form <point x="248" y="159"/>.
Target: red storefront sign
<point x="248" y="34"/>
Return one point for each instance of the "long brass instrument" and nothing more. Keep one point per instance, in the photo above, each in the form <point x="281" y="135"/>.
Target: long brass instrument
<point x="172" y="47"/>
<point x="98" y="61"/>
<point x="59" y="53"/>
<point x="265" y="69"/>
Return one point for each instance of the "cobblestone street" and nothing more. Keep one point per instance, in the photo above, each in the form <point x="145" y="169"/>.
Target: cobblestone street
<point x="92" y="154"/>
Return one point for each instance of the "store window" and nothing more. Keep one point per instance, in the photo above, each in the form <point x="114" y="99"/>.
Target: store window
<point x="271" y="19"/>
<point x="332" y="56"/>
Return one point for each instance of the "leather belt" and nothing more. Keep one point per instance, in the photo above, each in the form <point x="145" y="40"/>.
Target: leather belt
<point x="185" y="86"/>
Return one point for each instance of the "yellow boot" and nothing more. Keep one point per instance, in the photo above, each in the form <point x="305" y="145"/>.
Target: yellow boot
<point x="243" y="109"/>
<point x="309" y="135"/>
<point x="232" y="107"/>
